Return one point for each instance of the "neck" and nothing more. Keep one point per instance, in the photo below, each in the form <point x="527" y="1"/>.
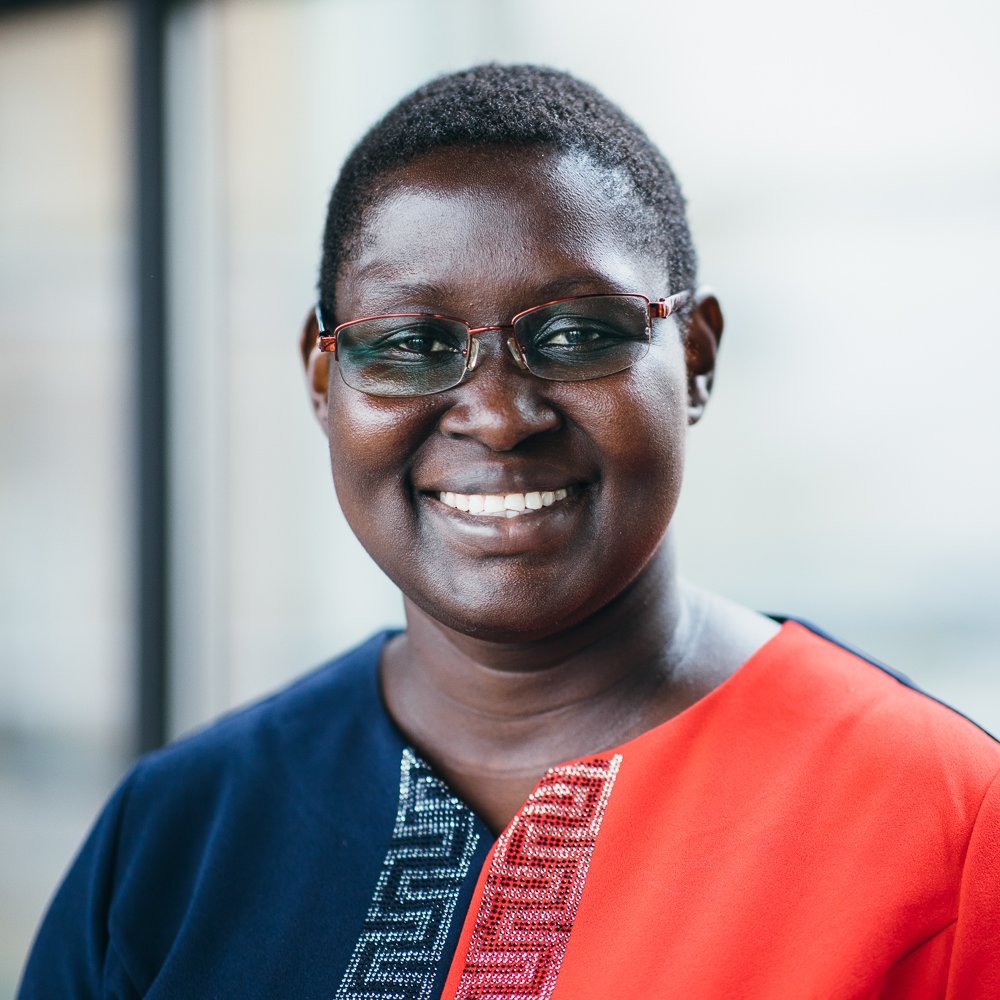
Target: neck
<point x="514" y="709"/>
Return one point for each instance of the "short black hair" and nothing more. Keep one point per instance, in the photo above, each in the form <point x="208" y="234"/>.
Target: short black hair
<point x="510" y="106"/>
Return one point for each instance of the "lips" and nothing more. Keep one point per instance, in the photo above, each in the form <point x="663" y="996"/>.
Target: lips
<point x="503" y="504"/>
<point x="496" y="525"/>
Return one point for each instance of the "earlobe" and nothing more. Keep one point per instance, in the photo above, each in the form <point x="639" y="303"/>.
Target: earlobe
<point x="701" y="347"/>
<point x="317" y="368"/>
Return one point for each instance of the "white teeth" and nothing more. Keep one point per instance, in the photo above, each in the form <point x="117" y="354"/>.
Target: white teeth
<point x="502" y="505"/>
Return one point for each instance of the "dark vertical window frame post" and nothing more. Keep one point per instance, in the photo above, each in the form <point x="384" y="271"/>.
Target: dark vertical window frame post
<point x="149" y="18"/>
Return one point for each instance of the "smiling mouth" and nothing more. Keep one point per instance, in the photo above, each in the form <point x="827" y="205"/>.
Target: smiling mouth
<point x="503" y="504"/>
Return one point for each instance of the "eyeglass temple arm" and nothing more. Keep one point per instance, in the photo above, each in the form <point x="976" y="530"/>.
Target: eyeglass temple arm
<point x="662" y="308"/>
<point x="326" y="341"/>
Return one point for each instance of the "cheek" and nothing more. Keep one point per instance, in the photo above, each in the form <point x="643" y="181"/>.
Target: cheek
<point x="642" y="426"/>
<point x="645" y="436"/>
<point x="372" y="442"/>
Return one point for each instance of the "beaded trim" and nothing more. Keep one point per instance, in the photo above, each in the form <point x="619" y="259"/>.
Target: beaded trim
<point x="535" y="881"/>
<point x="430" y="853"/>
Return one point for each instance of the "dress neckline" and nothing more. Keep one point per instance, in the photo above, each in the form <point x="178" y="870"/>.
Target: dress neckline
<point x="662" y="730"/>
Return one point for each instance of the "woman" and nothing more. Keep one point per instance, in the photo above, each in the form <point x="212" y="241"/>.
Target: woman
<point x="573" y="775"/>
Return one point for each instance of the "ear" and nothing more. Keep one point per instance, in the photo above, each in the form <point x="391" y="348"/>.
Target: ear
<point x="317" y="367"/>
<point x="701" y="346"/>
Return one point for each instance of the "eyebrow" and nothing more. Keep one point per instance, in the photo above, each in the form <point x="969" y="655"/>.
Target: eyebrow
<point x="565" y="285"/>
<point x="579" y="283"/>
<point x="415" y="290"/>
<point x="393" y="286"/>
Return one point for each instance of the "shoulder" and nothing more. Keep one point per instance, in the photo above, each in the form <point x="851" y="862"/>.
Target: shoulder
<point x="817" y="659"/>
<point x="231" y="819"/>
<point x="291" y="757"/>
<point x="912" y="789"/>
<point x="869" y="722"/>
<point x="306" y="717"/>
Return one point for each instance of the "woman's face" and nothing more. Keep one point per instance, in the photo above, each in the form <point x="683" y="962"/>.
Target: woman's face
<point x="480" y="235"/>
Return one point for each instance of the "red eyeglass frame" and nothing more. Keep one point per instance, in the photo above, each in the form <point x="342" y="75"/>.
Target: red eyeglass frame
<point x="659" y="308"/>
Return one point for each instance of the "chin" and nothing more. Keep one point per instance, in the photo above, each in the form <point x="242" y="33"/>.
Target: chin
<point x="530" y="616"/>
<point x="513" y="632"/>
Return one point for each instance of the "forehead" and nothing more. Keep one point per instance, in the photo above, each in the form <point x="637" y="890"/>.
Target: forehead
<point x="495" y="228"/>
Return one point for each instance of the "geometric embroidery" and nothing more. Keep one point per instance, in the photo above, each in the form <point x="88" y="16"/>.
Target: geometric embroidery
<point x="533" y="888"/>
<point x="402" y="940"/>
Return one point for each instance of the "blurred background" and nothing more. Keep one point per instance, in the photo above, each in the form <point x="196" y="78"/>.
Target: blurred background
<point x="169" y="541"/>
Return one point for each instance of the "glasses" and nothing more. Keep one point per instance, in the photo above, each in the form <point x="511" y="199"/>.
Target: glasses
<point x="568" y="340"/>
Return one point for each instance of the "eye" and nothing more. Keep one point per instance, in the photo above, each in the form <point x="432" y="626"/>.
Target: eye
<point x="422" y="341"/>
<point x="570" y="337"/>
<point x="576" y="333"/>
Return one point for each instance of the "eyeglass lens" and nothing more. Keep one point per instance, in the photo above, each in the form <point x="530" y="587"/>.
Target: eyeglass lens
<point x="403" y="355"/>
<point x="568" y="341"/>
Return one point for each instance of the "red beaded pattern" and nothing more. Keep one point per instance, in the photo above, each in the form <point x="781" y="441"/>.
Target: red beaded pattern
<point x="533" y="888"/>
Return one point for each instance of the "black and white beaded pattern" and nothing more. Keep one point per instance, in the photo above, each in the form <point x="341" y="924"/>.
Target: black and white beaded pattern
<point x="402" y="940"/>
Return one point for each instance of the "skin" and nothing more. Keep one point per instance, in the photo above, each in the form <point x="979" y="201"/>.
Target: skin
<point x="550" y="636"/>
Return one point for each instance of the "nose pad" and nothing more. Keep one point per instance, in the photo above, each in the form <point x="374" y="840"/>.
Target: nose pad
<point x="473" y="359"/>
<point x="515" y="352"/>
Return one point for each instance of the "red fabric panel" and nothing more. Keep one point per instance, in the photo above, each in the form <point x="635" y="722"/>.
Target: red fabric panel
<point x="975" y="967"/>
<point x="800" y="832"/>
<point x="922" y="973"/>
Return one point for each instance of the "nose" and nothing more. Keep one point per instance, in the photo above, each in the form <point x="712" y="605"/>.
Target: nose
<point x="499" y="403"/>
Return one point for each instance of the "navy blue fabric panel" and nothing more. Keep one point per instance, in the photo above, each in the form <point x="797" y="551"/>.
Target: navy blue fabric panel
<point x="75" y="928"/>
<point x="240" y="861"/>
<point x="861" y="655"/>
